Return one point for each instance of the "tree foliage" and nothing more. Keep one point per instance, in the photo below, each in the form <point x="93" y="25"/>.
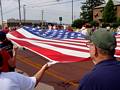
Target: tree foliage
<point x="94" y="23"/>
<point x="109" y="12"/>
<point x="78" y="23"/>
<point x="87" y="9"/>
<point x="118" y="20"/>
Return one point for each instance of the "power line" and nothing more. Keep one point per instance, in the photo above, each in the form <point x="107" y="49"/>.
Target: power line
<point x="52" y="4"/>
<point x="31" y="3"/>
<point x="59" y="12"/>
<point x="61" y="3"/>
<point x="9" y="11"/>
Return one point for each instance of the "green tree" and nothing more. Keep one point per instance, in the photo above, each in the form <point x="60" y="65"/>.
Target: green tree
<point x="94" y="23"/>
<point x="109" y="13"/>
<point x="78" y="23"/>
<point x="118" y="20"/>
<point x="87" y="9"/>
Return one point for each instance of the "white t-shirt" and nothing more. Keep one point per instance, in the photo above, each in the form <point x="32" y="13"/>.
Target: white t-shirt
<point x="84" y="32"/>
<point x="16" y="81"/>
<point x="118" y="30"/>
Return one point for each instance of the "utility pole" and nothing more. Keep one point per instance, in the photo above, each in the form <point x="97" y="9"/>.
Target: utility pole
<point x="42" y="18"/>
<point x="19" y="11"/>
<point x="1" y="14"/>
<point x="24" y="12"/>
<point x="72" y="11"/>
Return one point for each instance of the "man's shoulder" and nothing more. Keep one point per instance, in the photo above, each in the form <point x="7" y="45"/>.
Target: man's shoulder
<point x="94" y="75"/>
<point x="86" y="78"/>
<point x="88" y="82"/>
<point x="9" y="74"/>
<point x="98" y="73"/>
<point x="13" y="76"/>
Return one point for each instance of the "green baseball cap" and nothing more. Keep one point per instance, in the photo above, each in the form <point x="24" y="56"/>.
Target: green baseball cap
<point x="103" y="39"/>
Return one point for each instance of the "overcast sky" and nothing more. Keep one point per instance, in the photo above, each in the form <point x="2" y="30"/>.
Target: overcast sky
<point x="34" y="8"/>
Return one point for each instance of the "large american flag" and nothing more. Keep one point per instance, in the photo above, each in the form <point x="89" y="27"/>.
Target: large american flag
<point x="55" y="45"/>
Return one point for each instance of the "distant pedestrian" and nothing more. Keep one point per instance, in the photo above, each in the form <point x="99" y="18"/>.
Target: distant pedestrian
<point x="118" y="30"/>
<point x="50" y="27"/>
<point x="70" y="29"/>
<point x="84" y="31"/>
<point x="106" y="73"/>
<point x="108" y="28"/>
<point x="54" y="27"/>
<point x="93" y="28"/>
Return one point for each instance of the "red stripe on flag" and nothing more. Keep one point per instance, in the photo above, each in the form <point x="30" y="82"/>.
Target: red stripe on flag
<point x="53" y="55"/>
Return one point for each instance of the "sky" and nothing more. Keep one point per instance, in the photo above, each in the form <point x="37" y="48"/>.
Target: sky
<point x="52" y="9"/>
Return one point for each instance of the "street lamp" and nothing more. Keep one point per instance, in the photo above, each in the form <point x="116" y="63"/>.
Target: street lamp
<point x="24" y="12"/>
<point x="42" y="19"/>
<point x="19" y="11"/>
<point x="72" y="11"/>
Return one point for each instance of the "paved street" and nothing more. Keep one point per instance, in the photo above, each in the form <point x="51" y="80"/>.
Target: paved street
<point x="60" y="76"/>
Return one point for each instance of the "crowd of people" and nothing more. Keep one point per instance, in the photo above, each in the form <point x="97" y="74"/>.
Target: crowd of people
<point x="104" y="76"/>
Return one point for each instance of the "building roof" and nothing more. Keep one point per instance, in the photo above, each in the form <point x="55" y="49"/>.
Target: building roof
<point x="116" y="3"/>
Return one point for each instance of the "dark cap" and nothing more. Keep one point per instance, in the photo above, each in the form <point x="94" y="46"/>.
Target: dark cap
<point x="2" y="36"/>
<point x="103" y="39"/>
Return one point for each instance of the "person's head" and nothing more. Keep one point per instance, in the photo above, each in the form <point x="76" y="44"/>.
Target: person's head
<point x="102" y="45"/>
<point x="2" y="36"/>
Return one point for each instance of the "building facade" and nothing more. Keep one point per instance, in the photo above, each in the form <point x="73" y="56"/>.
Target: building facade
<point x="97" y="12"/>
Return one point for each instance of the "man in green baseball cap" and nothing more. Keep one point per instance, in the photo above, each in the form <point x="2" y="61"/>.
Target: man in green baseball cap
<point x="104" y="41"/>
<point x="105" y="75"/>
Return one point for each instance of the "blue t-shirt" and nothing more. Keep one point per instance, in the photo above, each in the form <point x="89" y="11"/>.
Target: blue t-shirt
<point x="104" y="76"/>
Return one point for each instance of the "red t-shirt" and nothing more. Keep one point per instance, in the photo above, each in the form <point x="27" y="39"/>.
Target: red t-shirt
<point x="5" y="56"/>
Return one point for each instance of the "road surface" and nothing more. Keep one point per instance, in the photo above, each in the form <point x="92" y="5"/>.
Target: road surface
<point x="62" y="76"/>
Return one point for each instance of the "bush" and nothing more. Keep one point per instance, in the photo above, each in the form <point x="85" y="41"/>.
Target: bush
<point x="94" y="23"/>
<point x="118" y="20"/>
<point x="114" y="25"/>
<point x="104" y="25"/>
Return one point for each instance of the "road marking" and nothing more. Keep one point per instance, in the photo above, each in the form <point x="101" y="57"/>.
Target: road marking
<point x="38" y="66"/>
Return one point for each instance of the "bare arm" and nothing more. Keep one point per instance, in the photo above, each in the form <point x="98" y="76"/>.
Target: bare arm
<point x="12" y="61"/>
<point x="15" y="48"/>
<point x="40" y="73"/>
